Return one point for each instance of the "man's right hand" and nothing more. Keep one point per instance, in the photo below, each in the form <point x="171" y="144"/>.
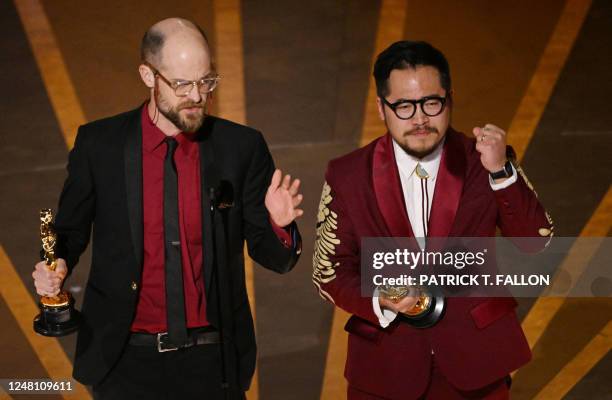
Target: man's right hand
<point x="47" y="282"/>
<point x="402" y="306"/>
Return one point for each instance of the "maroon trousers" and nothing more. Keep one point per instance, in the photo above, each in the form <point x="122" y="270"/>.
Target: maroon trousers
<point x="440" y="389"/>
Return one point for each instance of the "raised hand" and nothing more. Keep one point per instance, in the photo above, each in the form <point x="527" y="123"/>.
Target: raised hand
<point x="282" y="199"/>
<point x="491" y="144"/>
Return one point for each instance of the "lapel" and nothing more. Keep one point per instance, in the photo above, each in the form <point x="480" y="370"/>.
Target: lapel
<point x="449" y="186"/>
<point x="387" y="189"/>
<point x="132" y="156"/>
<point x="209" y="179"/>
<point x="133" y="185"/>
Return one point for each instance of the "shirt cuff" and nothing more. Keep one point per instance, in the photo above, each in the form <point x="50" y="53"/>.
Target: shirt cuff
<point x="386" y="316"/>
<point x="283" y="234"/>
<point x="504" y="184"/>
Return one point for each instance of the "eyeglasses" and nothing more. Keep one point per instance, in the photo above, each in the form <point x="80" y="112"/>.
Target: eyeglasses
<point x="405" y="109"/>
<point x="183" y="88"/>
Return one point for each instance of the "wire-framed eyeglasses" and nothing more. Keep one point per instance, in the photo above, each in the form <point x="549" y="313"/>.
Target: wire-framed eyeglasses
<point x="182" y="88"/>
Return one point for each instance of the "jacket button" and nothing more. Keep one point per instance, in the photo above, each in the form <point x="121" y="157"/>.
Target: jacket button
<point x="134" y="286"/>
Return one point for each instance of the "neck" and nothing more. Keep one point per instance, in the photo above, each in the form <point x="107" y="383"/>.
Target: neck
<point x="164" y="125"/>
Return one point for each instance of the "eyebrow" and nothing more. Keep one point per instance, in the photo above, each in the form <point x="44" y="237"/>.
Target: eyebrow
<point x="208" y="75"/>
<point x="424" y="97"/>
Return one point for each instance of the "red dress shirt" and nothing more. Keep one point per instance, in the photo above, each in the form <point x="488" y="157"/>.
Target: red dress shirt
<point x="151" y="309"/>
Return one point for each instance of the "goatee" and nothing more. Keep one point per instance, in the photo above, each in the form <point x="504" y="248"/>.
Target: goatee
<point x="190" y="123"/>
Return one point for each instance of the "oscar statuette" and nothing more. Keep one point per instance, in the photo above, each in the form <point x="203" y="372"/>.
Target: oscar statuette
<point x="57" y="314"/>
<point x="428" y="309"/>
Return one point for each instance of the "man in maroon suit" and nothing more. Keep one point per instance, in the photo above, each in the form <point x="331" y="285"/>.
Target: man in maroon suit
<point x="423" y="179"/>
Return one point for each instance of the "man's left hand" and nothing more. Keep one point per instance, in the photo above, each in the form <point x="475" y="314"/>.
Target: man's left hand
<point x="282" y="199"/>
<point x="491" y="144"/>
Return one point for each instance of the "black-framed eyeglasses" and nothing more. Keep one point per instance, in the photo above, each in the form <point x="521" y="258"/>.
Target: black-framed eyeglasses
<point x="405" y="109"/>
<point x="182" y="88"/>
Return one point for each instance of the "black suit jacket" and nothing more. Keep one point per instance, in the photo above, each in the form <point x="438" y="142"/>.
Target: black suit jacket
<point x="103" y="191"/>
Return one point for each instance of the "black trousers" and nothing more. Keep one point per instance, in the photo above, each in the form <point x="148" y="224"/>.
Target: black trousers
<point x="144" y="373"/>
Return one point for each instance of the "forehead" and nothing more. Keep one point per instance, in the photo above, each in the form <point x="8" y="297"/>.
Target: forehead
<point x="187" y="60"/>
<point x="414" y="83"/>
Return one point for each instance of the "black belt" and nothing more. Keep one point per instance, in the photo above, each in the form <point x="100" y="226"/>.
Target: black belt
<point x="195" y="337"/>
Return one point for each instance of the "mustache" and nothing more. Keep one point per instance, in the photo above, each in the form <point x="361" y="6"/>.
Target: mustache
<point x="429" y="129"/>
<point x="190" y="105"/>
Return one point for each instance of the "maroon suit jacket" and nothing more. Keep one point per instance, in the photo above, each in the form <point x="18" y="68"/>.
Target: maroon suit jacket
<point x="479" y="340"/>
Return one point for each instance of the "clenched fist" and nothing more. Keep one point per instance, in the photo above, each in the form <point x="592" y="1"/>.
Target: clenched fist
<point x="491" y="144"/>
<point x="48" y="283"/>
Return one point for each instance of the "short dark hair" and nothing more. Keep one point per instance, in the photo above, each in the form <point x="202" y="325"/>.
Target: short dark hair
<point x="151" y="45"/>
<point x="409" y="54"/>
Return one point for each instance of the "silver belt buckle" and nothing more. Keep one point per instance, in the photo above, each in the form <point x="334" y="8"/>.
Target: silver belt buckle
<point x="159" y="343"/>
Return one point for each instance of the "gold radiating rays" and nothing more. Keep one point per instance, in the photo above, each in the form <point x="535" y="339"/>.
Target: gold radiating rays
<point x="52" y="67"/>
<point x="390" y="28"/>
<point x="545" y="308"/>
<point x="22" y="306"/>
<point x="579" y="366"/>
<point x="230" y="101"/>
<point x="69" y="113"/>
<point x="535" y="99"/>
<point x="229" y="97"/>
<point x="334" y="384"/>
<point x="521" y="130"/>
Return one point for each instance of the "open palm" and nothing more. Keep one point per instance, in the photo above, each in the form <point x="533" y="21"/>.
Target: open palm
<point x="283" y="198"/>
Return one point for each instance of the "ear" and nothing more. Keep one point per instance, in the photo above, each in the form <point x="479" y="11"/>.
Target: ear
<point x="381" y="109"/>
<point x="147" y="76"/>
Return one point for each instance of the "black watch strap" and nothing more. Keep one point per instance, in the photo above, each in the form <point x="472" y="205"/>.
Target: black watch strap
<point x="506" y="172"/>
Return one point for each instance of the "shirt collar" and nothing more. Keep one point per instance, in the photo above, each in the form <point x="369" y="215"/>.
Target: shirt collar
<point x="153" y="137"/>
<point x="407" y="163"/>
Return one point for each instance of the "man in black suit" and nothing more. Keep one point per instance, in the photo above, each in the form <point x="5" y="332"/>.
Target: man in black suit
<point x="160" y="316"/>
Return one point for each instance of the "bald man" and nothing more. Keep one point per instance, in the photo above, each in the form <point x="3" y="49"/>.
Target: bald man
<point x="172" y="194"/>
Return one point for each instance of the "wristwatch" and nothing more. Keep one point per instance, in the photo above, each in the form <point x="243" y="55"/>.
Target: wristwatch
<point x="506" y="172"/>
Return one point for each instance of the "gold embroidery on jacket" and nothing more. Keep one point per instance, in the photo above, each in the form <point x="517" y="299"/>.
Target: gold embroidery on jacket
<point x="545" y="231"/>
<point x="324" y="269"/>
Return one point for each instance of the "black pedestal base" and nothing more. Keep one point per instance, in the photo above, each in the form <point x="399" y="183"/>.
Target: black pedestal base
<point x="429" y="318"/>
<point x="57" y="321"/>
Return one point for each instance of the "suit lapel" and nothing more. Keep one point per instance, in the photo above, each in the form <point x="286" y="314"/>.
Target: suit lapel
<point x="209" y="179"/>
<point x="133" y="184"/>
<point x="387" y="189"/>
<point x="449" y="186"/>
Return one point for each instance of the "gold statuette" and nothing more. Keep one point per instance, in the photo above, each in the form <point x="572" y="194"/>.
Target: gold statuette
<point x="428" y="309"/>
<point x="49" y="239"/>
<point x="57" y="314"/>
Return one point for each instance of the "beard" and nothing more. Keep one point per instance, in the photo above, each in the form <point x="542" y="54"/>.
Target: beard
<point x="189" y="123"/>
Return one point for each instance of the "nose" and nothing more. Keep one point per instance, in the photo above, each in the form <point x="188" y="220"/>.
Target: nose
<point x="420" y="118"/>
<point x="194" y="94"/>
